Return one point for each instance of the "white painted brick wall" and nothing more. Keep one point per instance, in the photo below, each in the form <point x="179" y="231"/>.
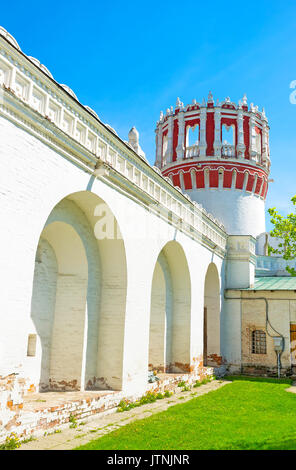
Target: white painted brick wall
<point x="33" y="180"/>
<point x="241" y="212"/>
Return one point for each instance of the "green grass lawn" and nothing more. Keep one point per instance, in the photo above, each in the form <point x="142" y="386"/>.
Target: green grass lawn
<point x="249" y="413"/>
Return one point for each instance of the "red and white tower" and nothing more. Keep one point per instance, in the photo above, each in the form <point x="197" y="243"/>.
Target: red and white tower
<point x="219" y="155"/>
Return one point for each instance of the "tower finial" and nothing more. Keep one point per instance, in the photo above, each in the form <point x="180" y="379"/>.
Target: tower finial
<point x="210" y="97"/>
<point x="178" y="103"/>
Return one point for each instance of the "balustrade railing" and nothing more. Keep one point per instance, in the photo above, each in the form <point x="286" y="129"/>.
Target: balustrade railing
<point x="192" y="151"/>
<point x="228" y="151"/>
<point x="256" y="157"/>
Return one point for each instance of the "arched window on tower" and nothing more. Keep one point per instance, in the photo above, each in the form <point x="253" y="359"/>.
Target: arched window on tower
<point x="258" y="143"/>
<point x="228" y="141"/>
<point x="192" y="141"/>
<point x="164" y="148"/>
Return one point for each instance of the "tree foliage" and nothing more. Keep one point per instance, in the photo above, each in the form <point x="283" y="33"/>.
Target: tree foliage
<point x="285" y="230"/>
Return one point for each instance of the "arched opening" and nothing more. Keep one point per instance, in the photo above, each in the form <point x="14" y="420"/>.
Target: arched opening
<point x="164" y="148"/>
<point x="192" y="141"/>
<point x="161" y="316"/>
<point x="211" y="355"/>
<point x="78" y="298"/>
<point x="258" y="141"/>
<point x="43" y="307"/>
<point x="169" y="338"/>
<point x="66" y="361"/>
<point x="228" y="134"/>
<point x="228" y="140"/>
<point x="192" y="137"/>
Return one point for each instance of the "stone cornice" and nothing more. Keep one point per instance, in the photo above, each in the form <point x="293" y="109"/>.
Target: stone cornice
<point x="208" y="160"/>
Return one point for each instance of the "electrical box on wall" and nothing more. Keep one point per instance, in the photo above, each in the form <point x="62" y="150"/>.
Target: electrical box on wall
<point x="278" y="343"/>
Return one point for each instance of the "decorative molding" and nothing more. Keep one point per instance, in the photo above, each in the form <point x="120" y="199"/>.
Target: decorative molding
<point x="210" y="141"/>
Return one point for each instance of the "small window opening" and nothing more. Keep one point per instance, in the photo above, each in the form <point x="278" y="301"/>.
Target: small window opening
<point x="258" y="342"/>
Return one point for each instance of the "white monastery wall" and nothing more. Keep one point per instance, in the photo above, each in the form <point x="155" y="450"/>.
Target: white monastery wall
<point x="34" y="181"/>
<point x="106" y="267"/>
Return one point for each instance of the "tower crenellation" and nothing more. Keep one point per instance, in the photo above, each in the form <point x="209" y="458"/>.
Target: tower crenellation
<point x="219" y="155"/>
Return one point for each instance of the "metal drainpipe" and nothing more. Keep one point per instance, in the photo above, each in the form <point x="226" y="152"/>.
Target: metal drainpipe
<point x="278" y="363"/>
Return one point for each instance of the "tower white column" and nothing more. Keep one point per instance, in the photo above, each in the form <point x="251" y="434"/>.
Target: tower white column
<point x="181" y="124"/>
<point x="158" y="139"/>
<point x="169" y="157"/>
<point x="240" y="133"/>
<point x="202" y="142"/>
<point x="265" y="149"/>
<point x="252" y="136"/>
<point x="217" y="141"/>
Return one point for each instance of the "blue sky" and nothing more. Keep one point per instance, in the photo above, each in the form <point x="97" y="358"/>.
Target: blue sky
<point x="129" y="60"/>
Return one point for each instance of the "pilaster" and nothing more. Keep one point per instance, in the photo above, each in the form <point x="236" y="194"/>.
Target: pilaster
<point x="252" y="136"/>
<point x="202" y="142"/>
<point x="217" y="141"/>
<point x="240" y="149"/>
<point x="181" y="124"/>
<point x="169" y="156"/>
<point x="158" y="141"/>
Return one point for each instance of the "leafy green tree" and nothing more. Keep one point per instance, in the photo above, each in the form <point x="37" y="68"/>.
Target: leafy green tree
<point x="285" y="230"/>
